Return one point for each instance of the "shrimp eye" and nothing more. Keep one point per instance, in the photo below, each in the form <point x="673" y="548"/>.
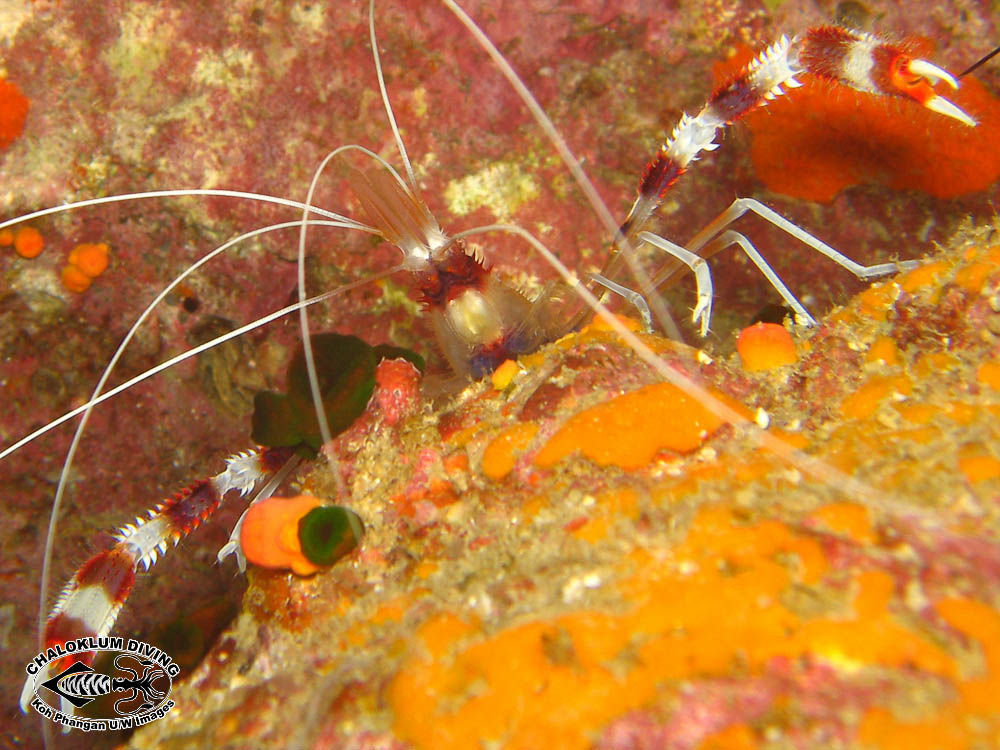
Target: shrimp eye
<point x="328" y="533"/>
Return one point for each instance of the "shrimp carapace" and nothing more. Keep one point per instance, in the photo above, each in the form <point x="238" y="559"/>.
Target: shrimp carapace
<point x="479" y="320"/>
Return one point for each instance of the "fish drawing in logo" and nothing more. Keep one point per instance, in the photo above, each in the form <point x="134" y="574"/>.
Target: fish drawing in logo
<point x="80" y="684"/>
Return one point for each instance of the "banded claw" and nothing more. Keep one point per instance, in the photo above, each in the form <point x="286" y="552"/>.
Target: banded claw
<point x="915" y="79"/>
<point x="233" y="547"/>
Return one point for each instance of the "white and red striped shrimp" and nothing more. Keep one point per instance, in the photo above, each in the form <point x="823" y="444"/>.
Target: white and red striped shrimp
<point x="197" y="433"/>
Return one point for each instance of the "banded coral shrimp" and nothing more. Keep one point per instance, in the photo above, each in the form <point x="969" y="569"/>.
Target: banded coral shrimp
<point x="187" y="469"/>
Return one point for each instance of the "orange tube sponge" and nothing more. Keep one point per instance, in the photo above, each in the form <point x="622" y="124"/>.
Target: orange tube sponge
<point x="13" y="112"/>
<point x="820" y="139"/>
<point x="28" y="242"/>
<point x="75" y="280"/>
<point x="270" y="533"/>
<point x="765" y="346"/>
<point x="90" y="257"/>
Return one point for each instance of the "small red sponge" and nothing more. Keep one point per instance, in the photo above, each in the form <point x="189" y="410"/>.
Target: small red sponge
<point x="13" y="112"/>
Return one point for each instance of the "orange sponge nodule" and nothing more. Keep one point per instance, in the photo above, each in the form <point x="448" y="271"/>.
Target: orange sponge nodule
<point x="13" y="112"/>
<point x="629" y="430"/>
<point x="86" y="262"/>
<point x="765" y="346"/>
<point x="75" y="280"/>
<point x="28" y="242"/>
<point x="90" y="257"/>
<point x="270" y="533"/>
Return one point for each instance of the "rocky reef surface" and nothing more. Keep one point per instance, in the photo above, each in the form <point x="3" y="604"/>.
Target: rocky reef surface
<point x="585" y="557"/>
<point x="251" y="96"/>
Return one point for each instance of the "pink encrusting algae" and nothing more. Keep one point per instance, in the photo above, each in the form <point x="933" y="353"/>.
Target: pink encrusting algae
<point x="253" y="98"/>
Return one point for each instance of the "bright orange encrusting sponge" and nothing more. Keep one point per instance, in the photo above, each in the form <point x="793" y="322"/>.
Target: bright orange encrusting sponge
<point x="630" y="430"/>
<point x="86" y="262"/>
<point x="90" y="257"/>
<point x="28" y="242"/>
<point x="765" y="346"/>
<point x="13" y="112"/>
<point x="820" y="138"/>
<point x="270" y="533"/>
<point x="75" y="280"/>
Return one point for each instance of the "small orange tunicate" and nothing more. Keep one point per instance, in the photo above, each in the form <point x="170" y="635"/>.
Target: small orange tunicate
<point x="270" y="533"/>
<point x="504" y="374"/>
<point x="6" y="237"/>
<point x="866" y="399"/>
<point x="884" y="350"/>
<point x="90" y="257"/>
<point x="765" y="346"/>
<point x="75" y="280"/>
<point x="923" y="277"/>
<point x="28" y="242"/>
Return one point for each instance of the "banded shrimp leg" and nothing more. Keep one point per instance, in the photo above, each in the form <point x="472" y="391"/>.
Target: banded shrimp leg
<point x="818" y="469"/>
<point x="403" y="224"/>
<point x="99" y="395"/>
<point x="715" y="238"/>
<point x="837" y="55"/>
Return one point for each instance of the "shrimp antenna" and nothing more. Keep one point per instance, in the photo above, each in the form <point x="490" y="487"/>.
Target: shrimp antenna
<point x="385" y="96"/>
<point x="572" y="163"/>
<point x="310" y="360"/>
<point x="96" y="397"/>
<point x="981" y="61"/>
<point x="167" y="364"/>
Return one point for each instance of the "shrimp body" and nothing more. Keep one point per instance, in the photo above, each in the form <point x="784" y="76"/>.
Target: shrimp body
<point x="478" y="319"/>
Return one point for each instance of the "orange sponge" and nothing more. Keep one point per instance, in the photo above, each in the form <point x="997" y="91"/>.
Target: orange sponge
<point x="90" y="257"/>
<point x="75" y="280"/>
<point x="270" y="533"/>
<point x="821" y="138"/>
<point x="13" y="112"/>
<point x="86" y="262"/>
<point x="28" y="242"/>
<point x="765" y="346"/>
<point x="628" y="431"/>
